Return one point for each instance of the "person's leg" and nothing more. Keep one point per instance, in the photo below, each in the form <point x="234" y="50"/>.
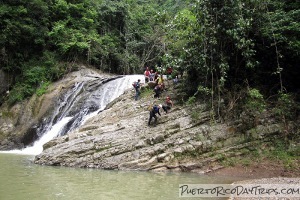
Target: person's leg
<point x="155" y="121"/>
<point x="137" y="94"/>
<point x="156" y="94"/>
<point x="150" y="118"/>
<point x="165" y="108"/>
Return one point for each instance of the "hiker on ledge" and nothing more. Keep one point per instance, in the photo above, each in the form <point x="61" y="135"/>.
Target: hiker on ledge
<point x="137" y="86"/>
<point x="157" y="90"/>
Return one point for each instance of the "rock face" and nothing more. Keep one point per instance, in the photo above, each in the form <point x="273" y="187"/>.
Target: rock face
<point x="119" y="138"/>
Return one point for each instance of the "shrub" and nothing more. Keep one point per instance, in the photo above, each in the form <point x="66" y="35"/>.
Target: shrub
<point x="255" y="101"/>
<point x="43" y="88"/>
<point x="191" y="100"/>
<point x="286" y="107"/>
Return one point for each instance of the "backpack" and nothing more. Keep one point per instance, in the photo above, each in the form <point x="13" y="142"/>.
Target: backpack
<point x="156" y="109"/>
<point x="136" y="84"/>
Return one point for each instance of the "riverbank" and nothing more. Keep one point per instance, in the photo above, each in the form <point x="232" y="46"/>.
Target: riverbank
<point x="264" y="169"/>
<point x="258" y="173"/>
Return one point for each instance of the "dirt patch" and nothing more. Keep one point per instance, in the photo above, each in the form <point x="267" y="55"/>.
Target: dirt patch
<point x="264" y="169"/>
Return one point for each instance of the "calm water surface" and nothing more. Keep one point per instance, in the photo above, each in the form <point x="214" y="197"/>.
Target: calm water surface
<point x="21" y="179"/>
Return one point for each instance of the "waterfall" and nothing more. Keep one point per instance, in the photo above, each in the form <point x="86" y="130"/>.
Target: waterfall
<point x="85" y="100"/>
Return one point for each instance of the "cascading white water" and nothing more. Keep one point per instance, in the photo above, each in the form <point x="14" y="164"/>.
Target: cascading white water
<point x="107" y="93"/>
<point x="37" y="147"/>
<point x="113" y="90"/>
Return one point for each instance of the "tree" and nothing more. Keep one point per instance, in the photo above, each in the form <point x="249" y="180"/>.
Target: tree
<point x="24" y="27"/>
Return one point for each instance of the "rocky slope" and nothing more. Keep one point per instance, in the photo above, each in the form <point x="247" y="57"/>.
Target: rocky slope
<point x="119" y="138"/>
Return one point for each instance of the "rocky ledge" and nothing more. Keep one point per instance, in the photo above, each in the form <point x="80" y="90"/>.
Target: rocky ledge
<point x="118" y="138"/>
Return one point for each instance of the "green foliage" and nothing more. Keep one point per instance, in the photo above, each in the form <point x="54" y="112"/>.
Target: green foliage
<point x="24" y="26"/>
<point x="286" y="107"/>
<point x="223" y="43"/>
<point x="191" y="100"/>
<point x="229" y="162"/>
<point x="280" y="153"/>
<point x="73" y="29"/>
<point x="43" y="88"/>
<point x="195" y="115"/>
<point x="19" y="92"/>
<point x="218" y="43"/>
<point x="255" y="101"/>
<point x="36" y="77"/>
<point x="146" y="92"/>
<point x="251" y="109"/>
<point x="203" y="90"/>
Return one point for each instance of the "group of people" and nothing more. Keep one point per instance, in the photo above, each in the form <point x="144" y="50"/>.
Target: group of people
<point x="156" y="80"/>
<point x="158" y="83"/>
<point x="150" y="75"/>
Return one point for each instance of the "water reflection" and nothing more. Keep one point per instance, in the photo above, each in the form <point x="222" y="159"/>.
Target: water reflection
<point x="21" y="179"/>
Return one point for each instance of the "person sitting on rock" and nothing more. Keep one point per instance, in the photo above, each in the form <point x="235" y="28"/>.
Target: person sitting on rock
<point x="152" y="75"/>
<point x="169" y="104"/>
<point x="147" y="75"/>
<point x="153" y="112"/>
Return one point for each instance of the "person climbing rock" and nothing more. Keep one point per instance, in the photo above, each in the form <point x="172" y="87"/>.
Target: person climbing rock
<point x="169" y="102"/>
<point x="157" y="90"/>
<point x="153" y="112"/>
<point x="160" y="81"/>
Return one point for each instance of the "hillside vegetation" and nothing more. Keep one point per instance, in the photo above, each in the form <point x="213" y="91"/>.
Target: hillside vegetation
<point x="240" y="57"/>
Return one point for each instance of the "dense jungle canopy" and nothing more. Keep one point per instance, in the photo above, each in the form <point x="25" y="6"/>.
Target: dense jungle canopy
<point x="221" y="45"/>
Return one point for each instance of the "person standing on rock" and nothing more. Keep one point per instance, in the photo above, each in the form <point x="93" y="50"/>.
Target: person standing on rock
<point x="147" y="75"/>
<point x="137" y="86"/>
<point x="153" y="112"/>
